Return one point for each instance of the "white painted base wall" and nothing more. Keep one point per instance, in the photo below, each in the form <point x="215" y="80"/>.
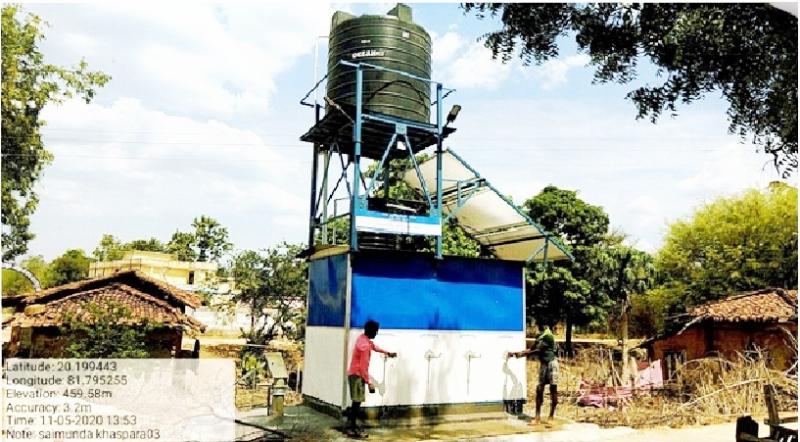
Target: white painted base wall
<point x="323" y="366"/>
<point x="446" y="376"/>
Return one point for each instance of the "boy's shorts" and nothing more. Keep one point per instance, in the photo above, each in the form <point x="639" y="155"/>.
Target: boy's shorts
<point x="548" y="372"/>
<point x="357" y="393"/>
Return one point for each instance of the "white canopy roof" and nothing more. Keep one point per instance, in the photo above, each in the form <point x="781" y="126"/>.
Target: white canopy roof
<point x="484" y="213"/>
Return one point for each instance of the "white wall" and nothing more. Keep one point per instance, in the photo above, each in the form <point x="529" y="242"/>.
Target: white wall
<point x="221" y="320"/>
<point x="323" y="367"/>
<point x="412" y="379"/>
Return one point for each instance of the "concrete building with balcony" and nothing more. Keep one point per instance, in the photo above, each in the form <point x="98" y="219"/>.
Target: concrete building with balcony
<point x="186" y="275"/>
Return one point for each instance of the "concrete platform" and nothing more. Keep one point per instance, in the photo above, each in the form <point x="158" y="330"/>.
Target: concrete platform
<point x="311" y="425"/>
<point x="314" y="425"/>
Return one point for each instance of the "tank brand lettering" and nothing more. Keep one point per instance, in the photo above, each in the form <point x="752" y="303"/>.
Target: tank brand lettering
<point x="368" y="53"/>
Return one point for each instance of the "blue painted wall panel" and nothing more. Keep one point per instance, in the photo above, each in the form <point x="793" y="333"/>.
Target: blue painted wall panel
<point x="327" y="291"/>
<point x="419" y="292"/>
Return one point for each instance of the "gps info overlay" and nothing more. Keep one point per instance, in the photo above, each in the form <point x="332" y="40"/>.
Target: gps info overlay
<point x="118" y="400"/>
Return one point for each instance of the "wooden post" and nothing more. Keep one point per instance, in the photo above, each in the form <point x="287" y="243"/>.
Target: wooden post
<point x="773" y="419"/>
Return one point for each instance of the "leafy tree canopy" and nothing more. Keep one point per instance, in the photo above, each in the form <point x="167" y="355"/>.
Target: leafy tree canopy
<point x="271" y="282"/>
<point x="745" y="51"/>
<point x="146" y="245"/>
<point x="743" y="242"/>
<point x="111" y="248"/>
<point x="181" y="245"/>
<point x="73" y="265"/>
<point x="29" y="83"/>
<point x="211" y="239"/>
<point x="563" y="290"/>
<point x="15" y="283"/>
<point x="101" y="335"/>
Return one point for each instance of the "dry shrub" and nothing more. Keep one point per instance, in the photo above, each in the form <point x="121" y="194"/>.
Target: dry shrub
<point x="703" y="391"/>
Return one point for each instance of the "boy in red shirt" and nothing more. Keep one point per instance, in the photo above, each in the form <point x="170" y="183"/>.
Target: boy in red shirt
<point x="358" y="373"/>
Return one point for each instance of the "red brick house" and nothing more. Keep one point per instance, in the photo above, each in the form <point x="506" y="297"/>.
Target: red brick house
<point x="761" y="320"/>
<point x="35" y="326"/>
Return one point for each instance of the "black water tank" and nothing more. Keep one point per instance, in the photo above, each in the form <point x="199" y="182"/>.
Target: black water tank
<point x="391" y="41"/>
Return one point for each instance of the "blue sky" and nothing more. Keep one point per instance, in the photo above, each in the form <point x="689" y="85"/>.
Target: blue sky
<point x="202" y="117"/>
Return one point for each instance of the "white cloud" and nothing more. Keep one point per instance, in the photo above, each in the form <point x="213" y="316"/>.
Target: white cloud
<point x="446" y="46"/>
<point x="474" y="68"/>
<point x="202" y="60"/>
<point x="553" y="72"/>
<point x="729" y="166"/>
<point x="135" y="172"/>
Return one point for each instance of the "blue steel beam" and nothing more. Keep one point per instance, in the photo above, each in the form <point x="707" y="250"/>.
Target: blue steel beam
<point x="385" y="69"/>
<point x="439" y="129"/>
<point x="356" y="159"/>
<point x="379" y="168"/>
<point x="523" y="214"/>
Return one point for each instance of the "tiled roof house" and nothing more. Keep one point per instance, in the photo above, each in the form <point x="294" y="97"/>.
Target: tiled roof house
<point x="759" y="320"/>
<point x="39" y="315"/>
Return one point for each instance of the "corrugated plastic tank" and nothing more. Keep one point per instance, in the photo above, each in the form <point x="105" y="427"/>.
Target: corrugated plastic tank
<point x="391" y="41"/>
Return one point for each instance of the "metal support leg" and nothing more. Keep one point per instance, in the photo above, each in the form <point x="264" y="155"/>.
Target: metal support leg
<point x="324" y="192"/>
<point x="356" y="160"/>
<point x="312" y="217"/>
<point x="439" y="129"/>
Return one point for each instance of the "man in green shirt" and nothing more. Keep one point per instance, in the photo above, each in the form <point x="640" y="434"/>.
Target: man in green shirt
<point x="545" y="350"/>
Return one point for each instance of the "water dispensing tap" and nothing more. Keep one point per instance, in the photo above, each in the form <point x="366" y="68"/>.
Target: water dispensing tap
<point x="431" y="355"/>
<point x="470" y="355"/>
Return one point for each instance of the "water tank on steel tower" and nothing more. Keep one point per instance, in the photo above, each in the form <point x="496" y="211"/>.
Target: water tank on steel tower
<point x="391" y="41"/>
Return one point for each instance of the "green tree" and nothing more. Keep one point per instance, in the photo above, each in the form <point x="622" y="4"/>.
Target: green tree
<point x="99" y="333"/>
<point x="618" y="273"/>
<point x="743" y="242"/>
<point x="211" y="239"/>
<point x="181" y="245"/>
<point x="112" y="249"/>
<point x="457" y="242"/>
<point x="146" y="245"/>
<point x="745" y="51"/>
<point x="16" y="284"/>
<point x="563" y="290"/>
<point x="274" y="284"/>
<point x="109" y="249"/>
<point x="28" y="84"/>
<point x="72" y="266"/>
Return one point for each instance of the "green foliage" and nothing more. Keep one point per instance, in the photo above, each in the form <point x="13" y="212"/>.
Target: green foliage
<point x="744" y="242"/>
<point x="745" y="51"/>
<point x="100" y="334"/>
<point x="112" y="249"/>
<point x="181" y="245"/>
<point x="398" y="188"/>
<point x="15" y="283"/>
<point x="146" y="245"/>
<point x="29" y="84"/>
<point x="109" y="249"/>
<point x="561" y="212"/>
<point x="208" y="242"/>
<point x="605" y="272"/>
<point x="73" y="265"/>
<point x="456" y="242"/>
<point x="562" y="289"/>
<point x="650" y="310"/>
<point x="273" y="283"/>
<point x="211" y="239"/>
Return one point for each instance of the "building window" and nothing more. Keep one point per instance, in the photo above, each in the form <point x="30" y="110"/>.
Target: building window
<point x="190" y="279"/>
<point x="673" y="360"/>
